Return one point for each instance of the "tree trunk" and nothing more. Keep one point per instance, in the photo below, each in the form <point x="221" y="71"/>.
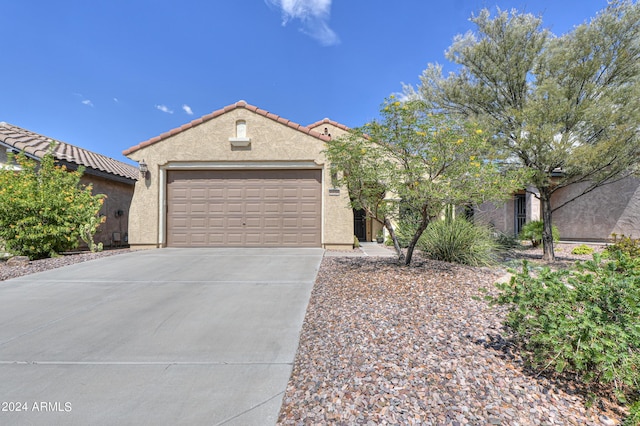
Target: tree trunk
<point x="414" y="240"/>
<point x="394" y="238"/>
<point x="547" y="226"/>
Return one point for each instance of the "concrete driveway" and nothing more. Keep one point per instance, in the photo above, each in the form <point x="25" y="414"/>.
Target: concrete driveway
<point x="169" y="336"/>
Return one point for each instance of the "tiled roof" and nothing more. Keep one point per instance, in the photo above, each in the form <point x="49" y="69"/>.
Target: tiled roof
<point x="217" y="113"/>
<point x="328" y="121"/>
<point x="37" y="146"/>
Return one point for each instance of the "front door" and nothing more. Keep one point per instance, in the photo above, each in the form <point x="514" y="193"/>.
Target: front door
<point x="360" y="224"/>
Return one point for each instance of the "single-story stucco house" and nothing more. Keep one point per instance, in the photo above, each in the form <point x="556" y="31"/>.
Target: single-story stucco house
<point x="111" y="177"/>
<point x="594" y="217"/>
<point x="239" y="177"/>
<point x="242" y="176"/>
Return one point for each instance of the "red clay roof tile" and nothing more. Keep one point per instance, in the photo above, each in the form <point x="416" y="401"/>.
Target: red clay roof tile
<point x="38" y="145"/>
<point x="328" y="121"/>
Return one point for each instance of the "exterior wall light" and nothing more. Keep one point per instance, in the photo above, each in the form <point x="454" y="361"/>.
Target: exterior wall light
<point x="144" y="170"/>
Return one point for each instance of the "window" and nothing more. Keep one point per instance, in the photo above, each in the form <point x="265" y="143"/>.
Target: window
<point x="241" y="129"/>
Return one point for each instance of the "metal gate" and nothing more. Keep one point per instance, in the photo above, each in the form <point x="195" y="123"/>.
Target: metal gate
<point x="520" y="212"/>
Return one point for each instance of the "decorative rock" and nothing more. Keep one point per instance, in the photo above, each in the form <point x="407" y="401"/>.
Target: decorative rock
<point x="410" y="345"/>
<point x="18" y="261"/>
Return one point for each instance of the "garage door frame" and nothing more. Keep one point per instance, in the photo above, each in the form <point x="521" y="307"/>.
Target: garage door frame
<point x="275" y="165"/>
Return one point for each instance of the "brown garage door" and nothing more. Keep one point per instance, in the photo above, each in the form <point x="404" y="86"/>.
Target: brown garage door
<point x="244" y="208"/>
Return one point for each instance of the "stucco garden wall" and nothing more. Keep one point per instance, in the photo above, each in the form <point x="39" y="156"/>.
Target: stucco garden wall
<point x="613" y="208"/>
<point x="207" y="145"/>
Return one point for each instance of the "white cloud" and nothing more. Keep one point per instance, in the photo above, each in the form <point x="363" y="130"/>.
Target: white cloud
<point x="87" y="102"/>
<point x="164" y="108"/>
<point x="314" y="16"/>
<point x="186" y="108"/>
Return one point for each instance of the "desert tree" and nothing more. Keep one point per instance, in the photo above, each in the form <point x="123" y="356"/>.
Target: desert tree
<point x="566" y="108"/>
<point x="413" y="161"/>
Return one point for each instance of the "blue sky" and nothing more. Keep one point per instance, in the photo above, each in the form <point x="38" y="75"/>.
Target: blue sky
<point x="107" y="74"/>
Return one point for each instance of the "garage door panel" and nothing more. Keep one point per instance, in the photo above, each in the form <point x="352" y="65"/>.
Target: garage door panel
<point x="272" y="223"/>
<point x="254" y="238"/>
<point x="198" y="207"/>
<point x="307" y="223"/>
<point x="253" y="222"/>
<point x="235" y="239"/>
<point x="253" y="194"/>
<point x="310" y="208"/>
<point x="289" y="223"/>
<point x="271" y="194"/>
<point x="198" y="194"/>
<point x="234" y="193"/>
<point x="272" y="208"/>
<point x="244" y="208"/>
<point x="290" y="193"/>
<point x="290" y="208"/>
<point x="234" y="223"/>
<point x="198" y="223"/>
<point x="216" y="208"/>
<point x="216" y="239"/>
<point x="308" y="238"/>
<point x="216" y="223"/>
<point x="180" y="194"/>
<point x="235" y="207"/>
<point x="216" y="193"/>
<point x="253" y="207"/>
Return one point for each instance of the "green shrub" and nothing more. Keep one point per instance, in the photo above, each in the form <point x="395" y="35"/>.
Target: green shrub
<point x="404" y="233"/>
<point x="583" y="321"/>
<point x="532" y="231"/>
<point x="356" y="242"/>
<point x="505" y="241"/>
<point x="459" y="241"/>
<point x="43" y="207"/>
<point x="625" y="244"/>
<point x="582" y="249"/>
<point x="88" y="230"/>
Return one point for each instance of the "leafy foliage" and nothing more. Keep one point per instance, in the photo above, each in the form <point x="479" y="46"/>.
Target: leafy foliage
<point x="583" y="321"/>
<point x="582" y="249"/>
<point x="43" y="208"/>
<point x="567" y="108"/>
<point x="506" y="241"/>
<point x="457" y="240"/>
<point x="411" y="163"/>
<point x="88" y="230"/>
<point x="532" y="231"/>
<point x="625" y="244"/>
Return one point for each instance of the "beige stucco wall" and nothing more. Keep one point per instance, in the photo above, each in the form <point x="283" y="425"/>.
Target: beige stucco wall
<point x="498" y="216"/>
<point x="501" y="216"/>
<point x="119" y="196"/>
<point x="613" y="208"/>
<point x="207" y="145"/>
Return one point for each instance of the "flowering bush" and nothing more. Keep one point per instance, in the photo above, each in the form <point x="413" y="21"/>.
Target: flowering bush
<point x="43" y="208"/>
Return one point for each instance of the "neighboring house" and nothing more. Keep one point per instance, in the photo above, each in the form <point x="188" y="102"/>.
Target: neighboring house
<point x="113" y="178"/>
<point x="239" y="177"/>
<point x="611" y="209"/>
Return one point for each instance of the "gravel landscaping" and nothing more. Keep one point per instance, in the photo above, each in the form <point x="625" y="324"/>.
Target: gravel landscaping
<point x="387" y="344"/>
<point x="7" y="271"/>
<point x="383" y="344"/>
